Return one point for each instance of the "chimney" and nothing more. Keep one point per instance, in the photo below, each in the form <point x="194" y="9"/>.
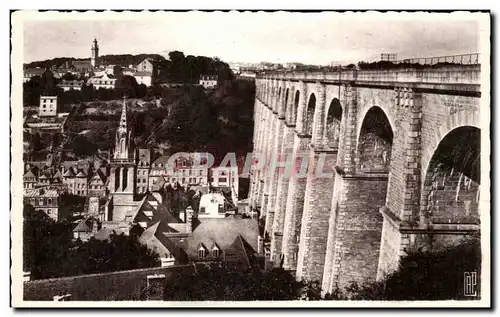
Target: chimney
<point x="189" y="219"/>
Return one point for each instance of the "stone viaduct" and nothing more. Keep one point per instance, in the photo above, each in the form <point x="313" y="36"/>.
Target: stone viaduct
<point x="403" y="150"/>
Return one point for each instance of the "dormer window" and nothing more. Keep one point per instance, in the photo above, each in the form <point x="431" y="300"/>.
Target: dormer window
<point x="202" y="253"/>
<point x="215" y="252"/>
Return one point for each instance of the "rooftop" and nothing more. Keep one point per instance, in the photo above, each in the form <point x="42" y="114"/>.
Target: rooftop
<point x="40" y="192"/>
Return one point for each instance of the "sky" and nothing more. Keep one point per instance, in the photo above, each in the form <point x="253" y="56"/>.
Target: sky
<point x="311" y="38"/>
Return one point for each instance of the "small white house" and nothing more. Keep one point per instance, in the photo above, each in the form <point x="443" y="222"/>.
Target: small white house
<point x="212" y="206"/>
<point x="208" y="81"/>
<point x="48" y="106"/>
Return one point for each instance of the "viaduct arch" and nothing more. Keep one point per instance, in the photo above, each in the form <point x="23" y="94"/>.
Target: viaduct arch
<point x="384" y="138"/>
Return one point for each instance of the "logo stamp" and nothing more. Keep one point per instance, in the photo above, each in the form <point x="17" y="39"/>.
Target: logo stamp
<point x="470" y="284"/>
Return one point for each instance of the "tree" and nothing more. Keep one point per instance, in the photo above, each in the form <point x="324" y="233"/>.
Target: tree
<point x="69" y="76"/>
<point x="70" y="204"/>
<point x="220" y="283"/>
<point x="423" y="275"/>
<point x="49" y="250"/>
<point x="82" y="147"/>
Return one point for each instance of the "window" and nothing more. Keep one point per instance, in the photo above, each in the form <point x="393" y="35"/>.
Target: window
<point x="201" y="253"/>
<point x="215" y="253"/>
<point x="201" y="172"/>
<point x="183" y="180"/>
<point x="49" y="201"/>
<point x="222" y="180"/>
<point x="41" y="201"/>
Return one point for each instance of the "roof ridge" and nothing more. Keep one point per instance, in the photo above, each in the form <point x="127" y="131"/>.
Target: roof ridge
<point x="240" y="239"/>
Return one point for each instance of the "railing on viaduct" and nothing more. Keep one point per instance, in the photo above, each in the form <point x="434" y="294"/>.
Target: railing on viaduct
<point x="463" y="74"/>
<point x="454" y="69"/>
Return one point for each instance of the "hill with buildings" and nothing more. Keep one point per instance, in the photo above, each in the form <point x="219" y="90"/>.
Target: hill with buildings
<point x="112" y="59"/>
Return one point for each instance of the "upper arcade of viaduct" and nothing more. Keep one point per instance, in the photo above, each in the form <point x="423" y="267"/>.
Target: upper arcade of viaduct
<point x="403" y="146"/>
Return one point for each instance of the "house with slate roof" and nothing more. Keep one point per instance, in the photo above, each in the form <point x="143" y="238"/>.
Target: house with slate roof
<point x="228" y="241"/>
<point x="44" y="199"/>
<point x="29" y="179"/>
<point x="85" y="229"/>
<point x="98" y="183"/>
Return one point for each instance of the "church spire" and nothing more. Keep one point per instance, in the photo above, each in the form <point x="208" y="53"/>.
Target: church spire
<point x="122" y="128"/>
<point x="122" y="135"/>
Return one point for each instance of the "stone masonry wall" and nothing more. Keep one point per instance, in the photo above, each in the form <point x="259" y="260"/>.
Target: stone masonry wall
<point x="389" y="249"/>
<point x="358" y="230"/>
<point x="331" y="235"/>
<point x="281" y="196"/>
<point x="294" y="206"/>
<point x="316" y="216"/>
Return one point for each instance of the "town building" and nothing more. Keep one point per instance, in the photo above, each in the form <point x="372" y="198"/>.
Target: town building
<point x="82" y="67"/>
<point x="183" y="171"/>
<point x="145" y="66"/>
<point x="44" y="199"/>
<point x="104" y="81"/>
<point x="48" y="106"/>
<point x="208" y="81"/>
<point x="64" y="68"/>
<point x="99" y="72"/>
<point x="143" y="78"/>
<point x="32" y="72"/>
<point x="113" y="70"/>
<point x="85" y="229"/>
<point x="229" y="241"/>
<point x="67" y="85"/>
<point x="225" y="176"/>
<point x="186" y="172"/>
<point x="128" y="71"/>
<point x="76" y="181"/>
<point x="29" y="179"/>
<point x="212" y="206"/>
<point x="98" y="185"/>
<point x="143" y="166"/>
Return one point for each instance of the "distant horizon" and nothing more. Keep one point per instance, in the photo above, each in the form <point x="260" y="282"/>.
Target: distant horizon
<point x="240" y="62"/>
<point x="244" y="37"/>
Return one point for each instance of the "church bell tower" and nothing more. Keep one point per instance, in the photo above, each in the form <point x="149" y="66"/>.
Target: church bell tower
<point x="123" y="170"/>
<point x="95" y="53"/>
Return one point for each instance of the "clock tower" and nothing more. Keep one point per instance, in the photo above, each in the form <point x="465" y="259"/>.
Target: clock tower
<point x="95" y="54"/>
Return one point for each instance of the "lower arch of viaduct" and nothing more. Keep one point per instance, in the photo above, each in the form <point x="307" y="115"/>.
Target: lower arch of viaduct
<point x="392" y="186"/>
